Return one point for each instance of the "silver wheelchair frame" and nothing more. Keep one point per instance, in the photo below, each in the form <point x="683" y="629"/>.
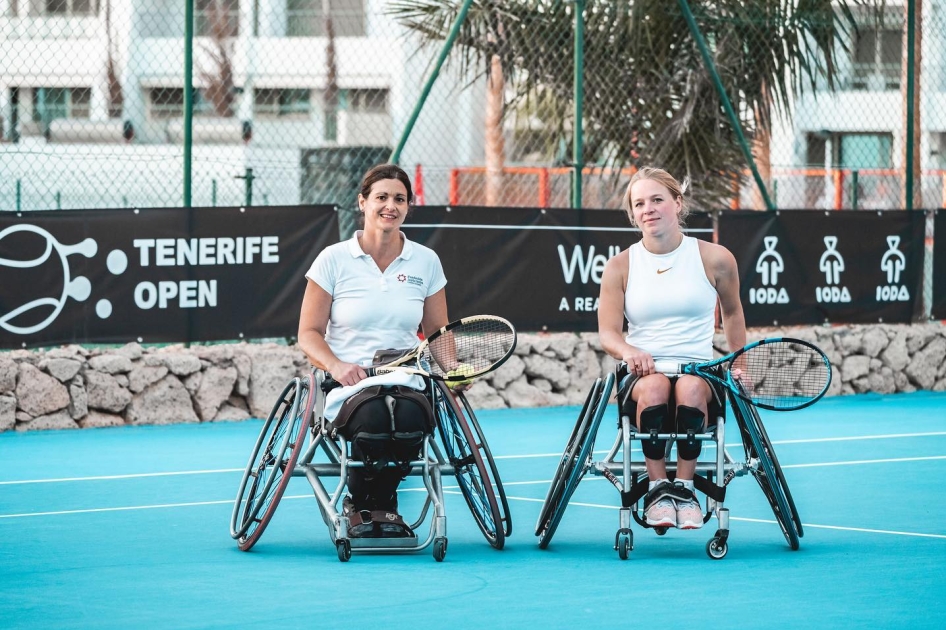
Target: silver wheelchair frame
<point x="630" y="479"/>
<point x="295" y="433"/>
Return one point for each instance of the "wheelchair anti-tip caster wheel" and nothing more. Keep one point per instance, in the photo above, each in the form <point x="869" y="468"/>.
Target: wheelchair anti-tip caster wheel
<point x="343" y="547"/>
<point x="440" y="549"/>
<point x="661" y="530"/>
<point x="623" y="542"/>
<point x="717" y="548"/>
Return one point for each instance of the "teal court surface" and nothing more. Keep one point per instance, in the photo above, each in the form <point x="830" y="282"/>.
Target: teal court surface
<point x="129" y="528"/>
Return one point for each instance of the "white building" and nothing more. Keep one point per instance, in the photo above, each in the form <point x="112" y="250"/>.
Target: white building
<point x="65" y="144"/>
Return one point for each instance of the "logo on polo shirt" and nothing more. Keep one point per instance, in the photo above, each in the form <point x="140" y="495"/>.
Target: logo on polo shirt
<point x="414" y="280"/>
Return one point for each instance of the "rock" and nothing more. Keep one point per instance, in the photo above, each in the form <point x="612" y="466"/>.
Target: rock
<point x="895" y="356"/>
<point x="178" y="363"/>
<point x="39" y="394"/>
<point x="111" y="364"/>
<point x="272" y="368"/>
<point x="165" y="402"/>
<point x="97" y="419"/>
<point x="215" y="388"/>
<point x="541" y="367"/>
<point x="63" y="369"/>
<point x="144" y="375"/>
<point x="925" y="364"/>
<point x="874" y="341"/>
<point x="8" y="371"/>
<point x="230" y="412"/>
<point x="483" y="396"/>
<point x="105" y="393"/>
<point x="509" y="371"/>
<point x="58" y="420"/>
<point x="78" y="401"/>
<point x="7" y="412"/>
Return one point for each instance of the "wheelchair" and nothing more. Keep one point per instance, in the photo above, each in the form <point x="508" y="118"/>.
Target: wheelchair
<point x="295" y="441"/>
<point x="630" y="479"/>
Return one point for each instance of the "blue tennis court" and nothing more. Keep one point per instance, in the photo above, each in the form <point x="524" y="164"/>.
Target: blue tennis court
<point x="128" y="527"/>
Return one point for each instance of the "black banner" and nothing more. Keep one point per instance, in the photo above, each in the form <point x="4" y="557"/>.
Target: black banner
<point x="156" y="275"/>
<point x="811" y="266"/>
<point x="939" y="265"/>
<point x="539" y="268"/>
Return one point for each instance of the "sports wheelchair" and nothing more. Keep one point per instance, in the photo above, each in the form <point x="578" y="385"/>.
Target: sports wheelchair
<point x="295" y="441"/>
<point x="630" y="477"/>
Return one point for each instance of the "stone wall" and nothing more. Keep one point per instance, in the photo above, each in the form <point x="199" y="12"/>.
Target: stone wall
<point x="74" y="387"/>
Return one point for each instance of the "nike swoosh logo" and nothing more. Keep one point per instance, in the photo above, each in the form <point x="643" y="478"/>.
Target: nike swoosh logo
<point x="664" y="270"/>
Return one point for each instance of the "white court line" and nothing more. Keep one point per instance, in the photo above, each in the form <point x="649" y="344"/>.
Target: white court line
<point x="128" y="476"/>
<point x="454" y="490"/>
<point x="889" y="532"/>
<point x="534" y="456"/>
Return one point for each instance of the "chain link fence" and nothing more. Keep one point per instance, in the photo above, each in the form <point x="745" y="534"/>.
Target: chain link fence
<point x="294" y="99"/>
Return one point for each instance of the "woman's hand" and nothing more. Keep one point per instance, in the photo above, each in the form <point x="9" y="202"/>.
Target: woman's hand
<point x="347" y="373"/>
<point x="639" y="363"/>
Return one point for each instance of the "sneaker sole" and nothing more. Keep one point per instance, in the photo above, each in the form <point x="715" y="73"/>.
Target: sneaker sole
<point x="666" y="522"/>
<point x="690" y="525"/>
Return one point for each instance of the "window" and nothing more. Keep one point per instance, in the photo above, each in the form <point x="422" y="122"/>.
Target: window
<point x="63" y="8"/>
<point x="282" y="102"/>
<point x="305" y="18"/>
<point x="166" y="103"/>
<point x="52" y="103"/>
<point x="877" y="59"/>
<point x="217" y="18"/>
<point x="365" y="101"/>
<point x="865" y="150"/>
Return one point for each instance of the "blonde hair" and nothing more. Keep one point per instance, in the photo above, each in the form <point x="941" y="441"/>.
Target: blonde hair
<point x="665" y="179"/>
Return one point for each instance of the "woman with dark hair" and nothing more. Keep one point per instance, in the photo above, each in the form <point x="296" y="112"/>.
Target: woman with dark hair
<point x="368" y="293"/>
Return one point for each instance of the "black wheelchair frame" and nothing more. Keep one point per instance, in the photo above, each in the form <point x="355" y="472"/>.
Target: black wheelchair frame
<point x="631" y="481"/>
<point x="295" y="433"/>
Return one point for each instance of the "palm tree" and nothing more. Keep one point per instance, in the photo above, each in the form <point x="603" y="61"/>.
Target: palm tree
<point x="649" y="99"/>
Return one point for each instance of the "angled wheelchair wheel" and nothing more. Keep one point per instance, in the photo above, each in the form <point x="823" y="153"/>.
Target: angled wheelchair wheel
<point x="505" y="514"/>
<point x="270" y="467"/>
<point x="575" y="460"/>
<point x="768" y="473"/>
<point x="466" y="456"/>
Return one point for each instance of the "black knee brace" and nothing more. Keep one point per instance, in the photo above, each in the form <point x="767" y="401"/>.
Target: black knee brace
<point x="689" y="421"/>
<point x="653" y="420"/>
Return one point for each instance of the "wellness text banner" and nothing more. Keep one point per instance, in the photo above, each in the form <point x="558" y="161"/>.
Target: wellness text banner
<point x="539" y="268"/>
<point x="812" y="267"/>
<point x="156" y="275"/>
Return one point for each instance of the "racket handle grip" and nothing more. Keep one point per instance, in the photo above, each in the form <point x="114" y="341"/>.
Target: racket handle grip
<point x="668" y="367"/>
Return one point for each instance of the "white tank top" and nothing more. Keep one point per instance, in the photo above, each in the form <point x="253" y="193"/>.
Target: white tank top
<point x="670" y="304"/>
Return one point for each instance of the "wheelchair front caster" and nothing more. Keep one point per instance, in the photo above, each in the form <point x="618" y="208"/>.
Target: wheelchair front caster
<point x="440" y="548"/>
<point x="624" y="543"/>
<point x="717" y="548"/>
<point x="661" y="530"/>
<point x="343" y="547"/>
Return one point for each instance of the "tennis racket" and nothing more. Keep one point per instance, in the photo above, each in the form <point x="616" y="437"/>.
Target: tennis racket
<point x="779" y="374"/>
<point x="460" y="351"/>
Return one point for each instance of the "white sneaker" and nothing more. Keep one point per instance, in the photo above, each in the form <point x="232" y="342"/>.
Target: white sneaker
<point x="660" y="510"/>
<point x="689" y="515"/>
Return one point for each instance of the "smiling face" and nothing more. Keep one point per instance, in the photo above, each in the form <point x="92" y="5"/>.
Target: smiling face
<point x="654" y="209"/>
<point x="385" y="207"/>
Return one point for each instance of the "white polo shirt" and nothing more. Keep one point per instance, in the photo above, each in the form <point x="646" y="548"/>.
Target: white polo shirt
<point x="372" y="309"/>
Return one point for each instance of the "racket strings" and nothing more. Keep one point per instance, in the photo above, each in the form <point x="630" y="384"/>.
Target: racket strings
<point x="469" y="349"/>
<point x="782" y="374"/>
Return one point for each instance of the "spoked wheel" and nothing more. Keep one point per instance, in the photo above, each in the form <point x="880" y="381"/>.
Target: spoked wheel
<point x="270" y="467"/>
<point x="768" y="472"/>
<point x="574" y="462"/>
<point x="490" y="463"/>
<point x="465" y="455"/>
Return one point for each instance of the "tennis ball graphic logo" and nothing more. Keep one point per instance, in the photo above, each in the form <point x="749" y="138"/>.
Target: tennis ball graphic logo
<point x="78" y="288"/>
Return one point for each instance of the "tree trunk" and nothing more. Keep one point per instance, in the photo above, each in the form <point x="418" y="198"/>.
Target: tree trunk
<point x="916" y="174"/>
<point x="762" y="152"/>
<point x="330" y="97"/>
<point x="495" y="145"/>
